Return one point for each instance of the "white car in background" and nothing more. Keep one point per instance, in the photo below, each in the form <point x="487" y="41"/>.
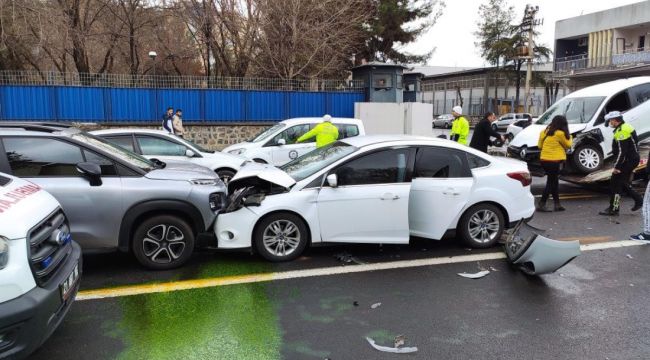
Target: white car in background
<point x="165" y="146"/>
<point x="506" y="120"/>
<point x="277" y="144"/>
<point x="516" y="127"/>
<point x="443" y="121"/>
<point x="374" y="189"/>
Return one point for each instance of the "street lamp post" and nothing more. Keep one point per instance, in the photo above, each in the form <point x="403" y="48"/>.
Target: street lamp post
<point x="152" y="55"/>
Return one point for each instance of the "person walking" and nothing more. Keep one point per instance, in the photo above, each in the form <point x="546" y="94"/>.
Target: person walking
<point x="325" y="133"/>
<point x="645" y="233"/>
<point x="177" y="123"/>
<point x="483" y="131"/>
<point x="626" y="153"/>
<point x="553" y="142"/>
<point x="168" y="121"/>
<point x="459" y="127"/>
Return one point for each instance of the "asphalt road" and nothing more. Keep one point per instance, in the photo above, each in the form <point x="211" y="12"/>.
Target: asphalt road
<point x="593" y="308"/>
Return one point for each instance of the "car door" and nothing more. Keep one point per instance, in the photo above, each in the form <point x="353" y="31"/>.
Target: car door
<point x="283" y="153"/>
<point x="161" y="148"/>
<point x="95" y="212"/>
<point x="639" y="115"/>
<point x="370" y="203"/>
<point x="441" y="186"/>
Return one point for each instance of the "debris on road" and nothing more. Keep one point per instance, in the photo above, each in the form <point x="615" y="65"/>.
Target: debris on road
<point x="347" y="258"/>
<point x="356" y="303"/>
<point x="375" y="305"/>
<point x="477" y="275"/>
<point x="395" y="350"/>
<point x="399" y="340"/>
<point x="493" y="269"/>
<point x="629" y="256"/>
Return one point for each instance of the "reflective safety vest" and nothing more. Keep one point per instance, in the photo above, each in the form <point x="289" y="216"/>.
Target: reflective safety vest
<point x="460" y="127"/>
<point x="325" y="134"/>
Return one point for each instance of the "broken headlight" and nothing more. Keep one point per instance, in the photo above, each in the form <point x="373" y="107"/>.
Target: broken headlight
<point x="4" y="252"/>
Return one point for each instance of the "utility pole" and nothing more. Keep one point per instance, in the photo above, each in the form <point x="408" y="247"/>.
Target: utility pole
<point x="529" y="24"/>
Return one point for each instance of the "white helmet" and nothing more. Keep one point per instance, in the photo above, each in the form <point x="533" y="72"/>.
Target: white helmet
<point x="613" y="115"/>
<point x="327" y="118"/>
<point x="458" y="110"/>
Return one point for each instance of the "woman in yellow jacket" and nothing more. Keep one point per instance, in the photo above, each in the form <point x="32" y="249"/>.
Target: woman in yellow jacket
<point x="553" y="143"/>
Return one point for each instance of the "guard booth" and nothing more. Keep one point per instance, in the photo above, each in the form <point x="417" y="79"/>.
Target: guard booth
<point x="412" y="87"/>
<point x="382" y="82"/>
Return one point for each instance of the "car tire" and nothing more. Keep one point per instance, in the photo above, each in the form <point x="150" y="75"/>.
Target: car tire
<point x="277" y="229"/>
<point x="225" y="175"/>
<point x="587" y="158"/>
<point x="481" y="226"/>
<point x="447" y="125"/>
<point x="152" y="247"/>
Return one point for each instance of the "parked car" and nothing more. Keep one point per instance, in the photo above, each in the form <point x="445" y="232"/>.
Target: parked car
<point x="443" y="121"/>
<point x="116" y="199"/>
<point x="505" y="120"/>
<point x="585" y="110"/>
<point x="40" y="267"/>
<point x="165" y="146"/>
<point x="374" y="189"/>
<point x="516" y="127"/>
<point x="277" y="144"/>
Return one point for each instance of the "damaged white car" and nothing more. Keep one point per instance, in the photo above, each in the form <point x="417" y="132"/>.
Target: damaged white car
<point x="374" y="189"/>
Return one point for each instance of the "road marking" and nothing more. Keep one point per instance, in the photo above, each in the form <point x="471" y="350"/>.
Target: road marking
<point x="297" y="274"/>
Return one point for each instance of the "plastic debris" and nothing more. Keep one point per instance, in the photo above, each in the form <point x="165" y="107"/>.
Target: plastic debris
<point x="395" y="350"/>
<point x="493" y="269"/>
<point x="375" y="305"/>
<point x="399" y="340"/>
<point x="356" y="303"/>
<point x="347" y="258"/>
<point x="629" y="256"/>
<point x="477" y="275"/>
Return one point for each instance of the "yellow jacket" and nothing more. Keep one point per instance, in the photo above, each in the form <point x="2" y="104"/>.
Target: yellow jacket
<point x="325" y="134"/>
<point x="460" y="127"/>
<point x="553" y="147"/>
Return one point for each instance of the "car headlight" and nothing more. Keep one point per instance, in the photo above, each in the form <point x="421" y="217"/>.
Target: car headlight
<point x="206" y="182"/>
<point x="237" y="151"/>
<point x="4" y="252"/>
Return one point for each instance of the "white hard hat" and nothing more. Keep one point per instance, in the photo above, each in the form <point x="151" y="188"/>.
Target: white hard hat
<point x="458" y="110"/>
<point x="613" y="115"/>
<point x="327" y="118"/>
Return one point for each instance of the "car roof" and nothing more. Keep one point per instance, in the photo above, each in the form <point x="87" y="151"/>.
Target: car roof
<point x="36" y="128"/>
<point x="367" y="140"/>
<point x="610" y="88"/>
<point x="128" y="131"/>
<point x="302" y="120"/>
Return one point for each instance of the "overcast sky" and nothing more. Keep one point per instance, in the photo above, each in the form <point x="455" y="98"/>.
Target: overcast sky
<point x="453" y="34"/>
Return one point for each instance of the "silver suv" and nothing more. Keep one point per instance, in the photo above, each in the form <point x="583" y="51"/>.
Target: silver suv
<point x="114" y="198"/>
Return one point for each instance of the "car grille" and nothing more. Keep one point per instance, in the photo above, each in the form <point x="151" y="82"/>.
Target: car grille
<point x="50" y="244"/>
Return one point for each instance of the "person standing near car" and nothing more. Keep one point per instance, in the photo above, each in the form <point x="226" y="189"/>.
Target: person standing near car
<point x="626" y="153"/>
<point x="645" y="234"/>
<point x="325" y="133"/>
<point x="168" y="121"/>
<point x="553" y="143"/>
<point x="177" y="123"/>
<point x="459" y="127"/>
<point x="483" y="131"/>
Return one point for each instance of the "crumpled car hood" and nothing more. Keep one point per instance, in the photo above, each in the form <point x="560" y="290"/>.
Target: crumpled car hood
<point x="266" y="172"/>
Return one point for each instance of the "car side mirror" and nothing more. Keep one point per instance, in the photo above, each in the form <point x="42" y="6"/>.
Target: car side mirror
<point x="92" y="172"/>
<point x="282" y="142"/>
<point x="332" y="180"/>
<point x="189" y="153"/>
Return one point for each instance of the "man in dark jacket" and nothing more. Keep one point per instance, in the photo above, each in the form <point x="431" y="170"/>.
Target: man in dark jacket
<point x="483" y="131"/>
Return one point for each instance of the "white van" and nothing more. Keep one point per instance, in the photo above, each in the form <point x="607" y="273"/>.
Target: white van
<point x="277" y="144"/>
<point x="585" y="111"/>
<point x="40" y="266"/>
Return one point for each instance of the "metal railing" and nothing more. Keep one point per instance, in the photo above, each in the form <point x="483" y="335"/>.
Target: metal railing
<point x="51" y="78"/>
<point x="582" y="64"/>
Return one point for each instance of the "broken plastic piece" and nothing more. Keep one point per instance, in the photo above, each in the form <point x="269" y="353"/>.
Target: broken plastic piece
<point x="376" y="305"/>
<point x="477" y="275"/>
<point x="347" y="258"/>
<point x="395" y="350"/>
<point x="399" y="340"/>
<point x="629" y="256"/>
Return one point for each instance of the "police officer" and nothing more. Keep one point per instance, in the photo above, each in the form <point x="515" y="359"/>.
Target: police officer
<point x="459" y="127"/>
<point x="325" y="133"/>
<point x="626" y="154"/>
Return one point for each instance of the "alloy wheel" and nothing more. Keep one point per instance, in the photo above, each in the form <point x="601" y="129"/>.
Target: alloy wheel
<point x="483" y="226"/>
<point x="163" y="244"/>
<point x="281" y="237"/>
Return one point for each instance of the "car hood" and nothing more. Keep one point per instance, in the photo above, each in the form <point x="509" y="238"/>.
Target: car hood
<point x="181" y="170"/>
<point x="251" y="172"/>
<point x="241" y="145"/>
<point x="225" y="157"/>
<point x="530" y="134"/>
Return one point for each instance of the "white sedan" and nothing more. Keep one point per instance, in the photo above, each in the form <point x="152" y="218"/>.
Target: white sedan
<point x="374" y="189"/>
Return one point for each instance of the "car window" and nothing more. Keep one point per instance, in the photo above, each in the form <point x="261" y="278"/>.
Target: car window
<point x="383" y="167"/>
<point x="42" y="157"/>
<point x="474" y="161"/>
<point x="577" y="110"/>
<point x="157" y="146"/>
<point x="439" y="162"/>
<point x="347" y="130"/>
<point x="640" y="94"/>
<point x="292" y="134"/>
<point x="266" y="133"/>
<point x="107" y="165"/>
<point x="620" y="102"/>
<point x="125" y="142"/>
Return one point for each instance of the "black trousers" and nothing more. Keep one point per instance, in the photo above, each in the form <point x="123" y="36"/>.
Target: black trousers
<point x="620" y="183"/>
<point x="552" y="170"/>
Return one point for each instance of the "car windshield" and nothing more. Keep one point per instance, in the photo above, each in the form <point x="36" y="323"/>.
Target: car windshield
<point x="308" y="164"/>
<point x="576" y="110"/>
<point x="117" y="151"/>
<point x="265" y="134"/>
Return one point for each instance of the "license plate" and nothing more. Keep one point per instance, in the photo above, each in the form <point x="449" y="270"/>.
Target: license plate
<point x="69" y="283"/>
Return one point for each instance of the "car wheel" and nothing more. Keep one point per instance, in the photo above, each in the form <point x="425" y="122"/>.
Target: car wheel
<point x="225" y="175"/>
<point x="163" y="242"/>
<point x="447" y="125"/>
<point x="481" y="226"/>
<point x="587" y="158"/>
<point x="281" y="237"/>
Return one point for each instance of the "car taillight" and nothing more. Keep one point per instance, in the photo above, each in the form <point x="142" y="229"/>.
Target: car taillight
<point x="522" y="176"/>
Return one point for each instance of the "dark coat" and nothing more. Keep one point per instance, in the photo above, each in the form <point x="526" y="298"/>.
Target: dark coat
<point x="482" y="133"/>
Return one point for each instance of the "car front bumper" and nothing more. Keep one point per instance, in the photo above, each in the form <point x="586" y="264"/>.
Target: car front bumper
<point x="27" y="321"/>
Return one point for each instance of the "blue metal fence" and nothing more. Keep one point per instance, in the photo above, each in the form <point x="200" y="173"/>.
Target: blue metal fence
<point x="67" y="103"/>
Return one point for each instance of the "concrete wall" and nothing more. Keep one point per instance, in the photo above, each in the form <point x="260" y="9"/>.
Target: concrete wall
<point x="631" y="36"/>
<point x="623" y="16"/>
<point x="393" y="118"/>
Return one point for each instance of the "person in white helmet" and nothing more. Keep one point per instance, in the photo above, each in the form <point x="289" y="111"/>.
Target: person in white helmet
<point x="325" y="133"/>
<point x="459" y="127"/>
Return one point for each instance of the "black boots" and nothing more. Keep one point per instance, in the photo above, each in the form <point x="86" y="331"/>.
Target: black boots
<point x="541" y="206"/>
<point x="557" y="206"/>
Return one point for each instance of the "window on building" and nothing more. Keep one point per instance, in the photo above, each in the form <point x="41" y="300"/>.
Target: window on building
<point x="641" y="43"/>
<point x="382" y="81"/>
